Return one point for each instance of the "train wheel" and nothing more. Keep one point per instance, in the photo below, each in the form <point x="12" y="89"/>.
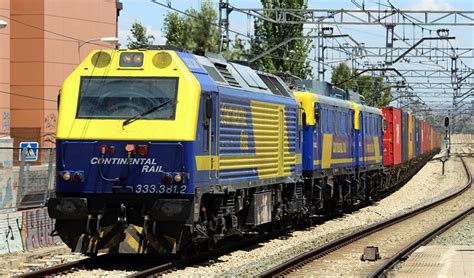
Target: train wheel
<point x="70" y="231"/>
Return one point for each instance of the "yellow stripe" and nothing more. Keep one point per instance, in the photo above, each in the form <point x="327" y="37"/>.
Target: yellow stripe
<point x="298" y="158"/>
<point x="341" y="160"/>
<point x="334" y="161"/>
<point x="207" y="162"/>
<point x="131" y="240"/>
<point x="327" y="151"/>
<point x="410" y="137"/>
<point x="377" y="149"/>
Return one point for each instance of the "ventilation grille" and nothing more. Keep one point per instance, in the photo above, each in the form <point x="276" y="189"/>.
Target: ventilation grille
<point x="274" y="85"/>
<point x="227" y="75"/>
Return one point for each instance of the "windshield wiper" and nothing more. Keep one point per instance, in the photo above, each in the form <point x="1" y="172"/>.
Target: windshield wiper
<point x="141" y="115"/>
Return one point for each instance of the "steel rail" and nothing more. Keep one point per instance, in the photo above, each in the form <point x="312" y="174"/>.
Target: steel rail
<point x="388" y="264"/>
<point x="222" y="250"/>
<point x="300" y="260"/>
<point x="60" y="268"/>
<point x="104" y="262"/>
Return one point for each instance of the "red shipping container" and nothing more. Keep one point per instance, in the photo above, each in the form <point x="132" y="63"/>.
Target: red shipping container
<point x="424" y="136"/>
<point x="392" y="136"/>
<point x="428" y="145"/>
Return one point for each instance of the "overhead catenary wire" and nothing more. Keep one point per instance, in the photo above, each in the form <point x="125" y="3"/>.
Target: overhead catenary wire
<point x="52" y="32"/>
<point x="26" y="96"/>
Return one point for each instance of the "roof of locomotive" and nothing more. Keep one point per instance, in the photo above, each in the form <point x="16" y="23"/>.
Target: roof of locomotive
<point x="236" y="75"/>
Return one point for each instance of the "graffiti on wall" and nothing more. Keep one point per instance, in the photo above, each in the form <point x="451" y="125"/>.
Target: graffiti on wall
<point x="50" y="130"/>
<point x="5" y="122"/>
<point x="10" y="232"/>
<point x="37" y="228"/>
<point x="26" y="230"/>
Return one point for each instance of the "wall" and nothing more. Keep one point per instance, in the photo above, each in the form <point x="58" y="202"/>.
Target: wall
<point x="7" y="189"/>
<point x="45" y="52"/>
<point x="5" y="71"/>
<point x="27" y="71"/>
<point x="26" y="230"/>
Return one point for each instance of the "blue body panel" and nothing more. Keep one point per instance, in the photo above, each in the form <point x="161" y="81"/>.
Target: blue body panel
<point x="334" y="121"/>
<point x="310" y="151"/>
<point x="405" y="141"/>
<point x="417" y="137"/>
<point x="145" y="171"/>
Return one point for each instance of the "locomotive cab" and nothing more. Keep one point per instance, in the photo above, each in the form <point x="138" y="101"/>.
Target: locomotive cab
<point x="125" y="155"/>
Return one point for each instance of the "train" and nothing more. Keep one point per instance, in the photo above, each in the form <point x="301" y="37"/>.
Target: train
<point x="165" y="152"/>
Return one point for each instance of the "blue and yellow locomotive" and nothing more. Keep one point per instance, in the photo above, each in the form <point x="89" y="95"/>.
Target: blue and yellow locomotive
<point x="160" y="151"/>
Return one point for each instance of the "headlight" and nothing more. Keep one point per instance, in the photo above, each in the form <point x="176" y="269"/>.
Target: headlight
<point x="66" y="175"/>
<point x="178" y="178"/>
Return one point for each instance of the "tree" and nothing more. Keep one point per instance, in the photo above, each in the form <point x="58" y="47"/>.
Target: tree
<point x="341" y="75"/>
<point x="195" y="31"/>
<point x="176" y="30"/>
<point x="237" y="50"/>
<point x="374" y="90"/>
<point x="139" y="37"/>
<point x="293" y="56"/>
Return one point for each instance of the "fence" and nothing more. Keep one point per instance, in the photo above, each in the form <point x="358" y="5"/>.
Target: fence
<point x="26" y="179"/>
<point x="25" y="182"/>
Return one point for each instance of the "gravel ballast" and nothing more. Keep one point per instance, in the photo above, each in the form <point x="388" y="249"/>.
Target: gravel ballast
<point x="427" y="186"/>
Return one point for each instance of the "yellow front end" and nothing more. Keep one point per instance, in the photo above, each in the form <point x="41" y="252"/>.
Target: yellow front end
<point x="156" y="63"/>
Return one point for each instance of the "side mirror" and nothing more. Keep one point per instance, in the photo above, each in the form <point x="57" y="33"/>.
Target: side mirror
<point x="209" y="107"/>
<point x="316" y="116"/>
<point x="384" y="124"/>
<point x="303" y="119"/>
<point x="59" y="98"/>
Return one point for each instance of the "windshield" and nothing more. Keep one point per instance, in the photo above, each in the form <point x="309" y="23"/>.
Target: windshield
<point x="125" y="97"/>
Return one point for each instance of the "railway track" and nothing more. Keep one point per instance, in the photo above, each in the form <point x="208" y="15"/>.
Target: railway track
<point x="398" y="257"/>
<point x="149" y="267"/>
<point x="389" y="235"/>
<point x="159" y="267"/>
<point x="106" y="262"/>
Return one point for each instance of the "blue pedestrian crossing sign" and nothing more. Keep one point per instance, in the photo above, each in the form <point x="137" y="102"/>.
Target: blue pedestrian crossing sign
<point x="29" y="150"/>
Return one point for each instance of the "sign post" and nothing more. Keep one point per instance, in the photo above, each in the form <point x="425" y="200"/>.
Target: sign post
<point x="30" y="151"/>
<point x="446" y="139"/>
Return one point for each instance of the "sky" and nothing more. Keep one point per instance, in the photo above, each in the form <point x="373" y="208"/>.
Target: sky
<point x="151" y="15"/>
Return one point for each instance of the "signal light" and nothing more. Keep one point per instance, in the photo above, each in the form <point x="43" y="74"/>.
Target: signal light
<point x="130" y="148"/>
<point x="112" y="149"/>
<point x="78" y="177"/>
<point x="142" y="150"/>
<point x="103" y="149"/>
<point x="137" y="59"/>
<point x="66" y="175"/>
<point x="166" y="179"/>
<point x="131" y="59"/>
